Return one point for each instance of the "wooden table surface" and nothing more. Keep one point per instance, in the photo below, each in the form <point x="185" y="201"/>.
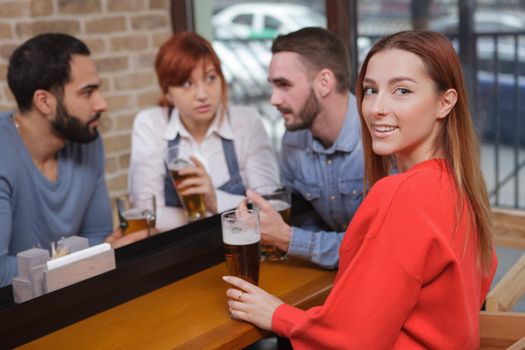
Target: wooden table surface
<point x="190" y="313"/>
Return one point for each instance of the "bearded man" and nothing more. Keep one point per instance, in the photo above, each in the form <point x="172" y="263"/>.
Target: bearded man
<point x="321" y="154"/>
<point x="51" y="156"/>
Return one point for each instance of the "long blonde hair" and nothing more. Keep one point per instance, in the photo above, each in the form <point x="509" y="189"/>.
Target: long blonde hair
<point x="458" y="137"/>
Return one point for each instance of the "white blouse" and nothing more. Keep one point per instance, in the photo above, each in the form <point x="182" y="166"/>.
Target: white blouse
<point x="149" y="140"/>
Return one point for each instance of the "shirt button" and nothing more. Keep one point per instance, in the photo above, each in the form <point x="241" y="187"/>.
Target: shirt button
<point x="308" y="195"/>
<point x="329" y="161"/>
<point x="332" y="197"/>
<point x="354" y="192"/>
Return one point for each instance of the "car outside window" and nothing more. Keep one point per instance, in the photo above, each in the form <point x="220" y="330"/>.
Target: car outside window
<point x="271" y="22"/>
<point x="244" y="19"/>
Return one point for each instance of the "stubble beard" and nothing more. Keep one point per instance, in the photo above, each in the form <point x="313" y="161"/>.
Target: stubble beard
<point x="306" y="115"/>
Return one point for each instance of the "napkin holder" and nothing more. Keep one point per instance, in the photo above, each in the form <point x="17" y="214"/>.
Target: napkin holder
<point x="38" y="274"/>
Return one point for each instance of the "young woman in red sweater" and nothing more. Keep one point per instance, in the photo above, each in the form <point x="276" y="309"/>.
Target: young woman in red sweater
<point x="417" y="259"/>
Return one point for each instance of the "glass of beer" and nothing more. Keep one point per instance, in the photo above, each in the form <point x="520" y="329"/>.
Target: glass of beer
<point x="242" y="237"/>
<point x="136" y="213"/>
<point x="177" y="158"/>
<point x="280" y="199"/>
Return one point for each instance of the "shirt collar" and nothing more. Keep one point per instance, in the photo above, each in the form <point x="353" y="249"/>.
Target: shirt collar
<point x="349" y="135"/>
<point x="219" y="126"/>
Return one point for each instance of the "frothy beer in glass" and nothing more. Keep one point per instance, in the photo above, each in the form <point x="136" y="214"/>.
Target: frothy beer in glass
<point x="283" y="208"/>
<point x="193" y="203"/>
<point x="241" y="237"/>
<point x="138" y="219"/>
<point x="280" y="200"/>
<point x="136" y="213"/>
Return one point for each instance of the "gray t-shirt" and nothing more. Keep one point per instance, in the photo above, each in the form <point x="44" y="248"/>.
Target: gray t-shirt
<point x="35" y="211"/>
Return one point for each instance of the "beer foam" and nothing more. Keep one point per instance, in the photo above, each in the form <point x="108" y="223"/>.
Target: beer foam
<point x="135" y="213"/>
<point x="179" y="164"/>
<point x="278" y="204"/>
<point x="239" y="237"/>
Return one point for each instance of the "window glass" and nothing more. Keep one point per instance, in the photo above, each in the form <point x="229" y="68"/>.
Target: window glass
<point x="378" y="18"/>
<point x="495" y="78"/>
<point x="245" y="52"/>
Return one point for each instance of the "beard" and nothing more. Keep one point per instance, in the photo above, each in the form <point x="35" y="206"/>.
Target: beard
<point x="72" y="128"/>
<point x="306" y="116"/>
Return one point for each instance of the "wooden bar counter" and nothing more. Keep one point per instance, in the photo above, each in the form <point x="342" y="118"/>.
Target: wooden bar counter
<point x="190" y="313"/>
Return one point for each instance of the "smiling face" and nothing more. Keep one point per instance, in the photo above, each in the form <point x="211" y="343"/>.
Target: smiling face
<point x="402" y="108"/>
<point x="198" y="98"/>
<point x="292" y="91"/>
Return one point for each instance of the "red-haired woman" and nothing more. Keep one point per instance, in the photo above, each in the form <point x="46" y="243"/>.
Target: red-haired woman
<point x="230" y="148"/>
<point x="417" y="260"/>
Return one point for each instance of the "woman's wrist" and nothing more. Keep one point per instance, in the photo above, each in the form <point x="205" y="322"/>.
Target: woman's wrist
<point x="211" y="202"/>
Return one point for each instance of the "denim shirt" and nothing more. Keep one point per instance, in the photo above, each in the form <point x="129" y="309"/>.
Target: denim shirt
<point x="331" y="179"/>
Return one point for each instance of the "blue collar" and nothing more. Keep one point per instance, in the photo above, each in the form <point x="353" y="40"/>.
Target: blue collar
<point x="349" y="135"/>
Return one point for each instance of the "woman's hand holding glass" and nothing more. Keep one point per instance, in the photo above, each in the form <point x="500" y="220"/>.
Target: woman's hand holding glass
<point x="199" y="182"/>
<point x="250" y="303"/>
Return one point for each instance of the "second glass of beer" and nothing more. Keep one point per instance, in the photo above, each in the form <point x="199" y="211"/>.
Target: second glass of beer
<point x="177" y="158"/>
<point x="242" y="237"/>
<point x="280" y="200"/>
<point x="136" y="213"/>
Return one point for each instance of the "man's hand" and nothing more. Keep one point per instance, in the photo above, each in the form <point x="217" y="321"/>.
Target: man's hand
<point x="274" y="230"/>
<point x="198" y="183"/>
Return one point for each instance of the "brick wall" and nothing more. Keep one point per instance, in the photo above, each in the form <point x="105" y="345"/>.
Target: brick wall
<point x="123" y="36"/>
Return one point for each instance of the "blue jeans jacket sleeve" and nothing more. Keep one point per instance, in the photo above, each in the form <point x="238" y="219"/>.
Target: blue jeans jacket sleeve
<point x="319" y="247"/>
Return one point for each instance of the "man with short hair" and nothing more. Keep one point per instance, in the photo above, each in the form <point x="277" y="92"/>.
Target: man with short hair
<point x="51" y="156"/>
<point x="321" y="155"/>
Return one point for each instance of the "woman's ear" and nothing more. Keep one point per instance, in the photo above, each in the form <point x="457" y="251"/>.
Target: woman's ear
<point x="168" y="99"/>
<point x="448" y="101"/>
<point x="44" y="101"/>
